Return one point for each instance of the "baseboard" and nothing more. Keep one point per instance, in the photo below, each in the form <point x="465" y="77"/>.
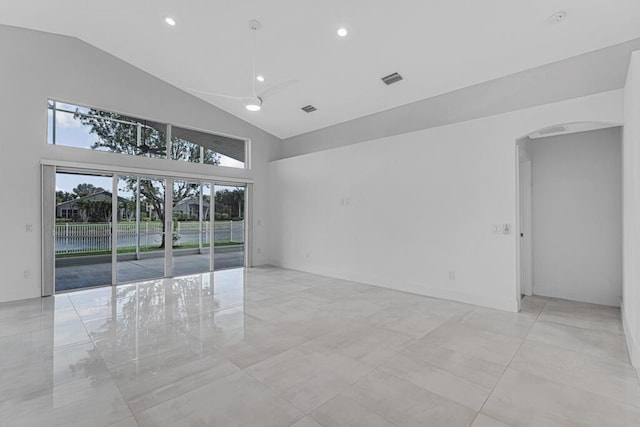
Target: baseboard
<point x="500" y="303"/>
<point x="632" y="346"/>
<point x="552" y="292"/>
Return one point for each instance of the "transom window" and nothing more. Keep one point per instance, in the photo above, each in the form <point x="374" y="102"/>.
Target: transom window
<point x="89" y="128"/>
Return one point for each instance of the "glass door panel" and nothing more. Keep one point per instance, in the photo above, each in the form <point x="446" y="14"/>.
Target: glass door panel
<point x="82" y="231"/>
<point x="141" y="234"/>
<point x="191" y="222"/>
<point x="229" y="226"/>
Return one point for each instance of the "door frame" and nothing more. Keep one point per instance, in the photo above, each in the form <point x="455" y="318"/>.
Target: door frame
<point x="49" y="169"/>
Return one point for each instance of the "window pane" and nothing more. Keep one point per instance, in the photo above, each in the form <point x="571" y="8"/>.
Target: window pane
<point x="200" y="147"/>
<point x="98" y="130"/>
<point x="74" y="126"/>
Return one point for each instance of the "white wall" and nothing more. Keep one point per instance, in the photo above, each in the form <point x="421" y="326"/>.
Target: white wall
<point x="577" y="216"/>
<point x="37" y="66"/>
<point x="631" y="210"/>
<point x="403" y="211"/>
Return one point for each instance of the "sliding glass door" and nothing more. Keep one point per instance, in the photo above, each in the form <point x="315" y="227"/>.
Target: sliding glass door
<point x="191" y="227"/>
<point x="141" y="237"/>
<point x="229" y="226"/>
<point x="83" y="231"/>
<point x="115" y="228"/>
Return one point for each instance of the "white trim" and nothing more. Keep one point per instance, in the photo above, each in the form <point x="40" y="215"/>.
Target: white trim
<point x="47" y="230"/>
<point x="212" y="227"/>
<point x="114" y="229"/>
<point x="93" y="167"/>
<point x="168" y="227"/>
<point x="248" y="218"/>
<point x="517" y="230"/>
<point x="418" y="288"/>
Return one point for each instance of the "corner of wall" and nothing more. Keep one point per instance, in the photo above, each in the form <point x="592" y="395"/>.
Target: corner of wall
<point x="632" y="347"/>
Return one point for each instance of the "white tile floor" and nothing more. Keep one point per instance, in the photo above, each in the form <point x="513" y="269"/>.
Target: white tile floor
<point x="273" y="347"/>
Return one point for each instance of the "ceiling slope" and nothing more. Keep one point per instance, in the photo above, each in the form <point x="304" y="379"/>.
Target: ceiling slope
<point x="438" y="46"/>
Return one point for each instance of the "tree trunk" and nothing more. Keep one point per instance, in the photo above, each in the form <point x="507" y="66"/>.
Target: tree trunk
<point x="164" y="231"/>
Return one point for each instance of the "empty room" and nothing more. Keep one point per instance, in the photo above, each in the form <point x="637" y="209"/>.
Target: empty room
<point x="339" y="213"/>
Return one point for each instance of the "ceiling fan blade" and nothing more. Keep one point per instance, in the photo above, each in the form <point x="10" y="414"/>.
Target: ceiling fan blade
<point x="204" y="92"/>
<point x="275" y="89"/>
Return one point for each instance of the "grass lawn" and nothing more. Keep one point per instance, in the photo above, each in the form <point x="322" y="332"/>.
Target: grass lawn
<point x="133" y="250"/>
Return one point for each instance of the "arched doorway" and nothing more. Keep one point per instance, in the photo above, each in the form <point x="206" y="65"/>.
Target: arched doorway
<point x="569" y="212"/>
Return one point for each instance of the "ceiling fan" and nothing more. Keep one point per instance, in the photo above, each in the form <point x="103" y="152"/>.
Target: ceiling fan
<point x="254" y="101"/>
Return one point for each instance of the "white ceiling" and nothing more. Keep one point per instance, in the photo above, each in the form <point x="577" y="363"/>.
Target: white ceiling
<point x="437" y="45"/>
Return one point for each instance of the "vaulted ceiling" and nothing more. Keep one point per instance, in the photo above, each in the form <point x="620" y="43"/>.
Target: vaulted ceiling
<point x="437" y="45"/>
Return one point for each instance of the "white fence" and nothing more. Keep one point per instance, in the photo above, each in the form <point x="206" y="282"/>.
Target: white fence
<point x="78" y="238"/>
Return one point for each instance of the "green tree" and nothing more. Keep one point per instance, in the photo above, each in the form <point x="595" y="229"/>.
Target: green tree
<point x="128" y="206"/>
<point x="63" y="196"/>
<point x="86" y="189"/>
<point x="117" y="133"/>
<point x="95" y="210"/>
<point x="230" y="202"/>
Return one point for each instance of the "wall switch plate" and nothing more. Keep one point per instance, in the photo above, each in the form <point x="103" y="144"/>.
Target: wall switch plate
<point x="28" y="228"/>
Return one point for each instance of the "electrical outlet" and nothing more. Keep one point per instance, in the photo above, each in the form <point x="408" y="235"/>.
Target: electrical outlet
<point x="452" y="275"/>
<point x="26" y="274"/>
<point x="28" y="228"/>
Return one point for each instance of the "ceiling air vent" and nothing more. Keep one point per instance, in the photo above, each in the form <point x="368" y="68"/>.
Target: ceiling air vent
<point x="391" y="79"/>
<point x="309" y="109"/>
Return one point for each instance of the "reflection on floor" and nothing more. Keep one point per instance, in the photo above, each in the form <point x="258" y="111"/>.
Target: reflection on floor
<point x="274" y="347"/>
<point x="85" y="274"/>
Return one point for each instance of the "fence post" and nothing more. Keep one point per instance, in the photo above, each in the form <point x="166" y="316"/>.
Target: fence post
<point x="231" y="231"/>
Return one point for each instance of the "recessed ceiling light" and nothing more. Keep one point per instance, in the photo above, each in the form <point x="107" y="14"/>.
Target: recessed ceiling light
<point x="169" y="20"/>
<point x="342" y="32"/>
<point x="259" y="78"/>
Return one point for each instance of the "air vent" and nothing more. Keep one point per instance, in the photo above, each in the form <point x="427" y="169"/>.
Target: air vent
<point x="391" y="79"/>
<point x="309" y="109"/>
<point x="555" y="129"/>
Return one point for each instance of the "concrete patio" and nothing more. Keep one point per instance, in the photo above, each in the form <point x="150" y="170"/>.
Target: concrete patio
<point x="87" y="275"/>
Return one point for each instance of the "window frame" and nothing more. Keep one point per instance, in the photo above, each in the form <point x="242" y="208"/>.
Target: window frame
<point x="168" y="134"/>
